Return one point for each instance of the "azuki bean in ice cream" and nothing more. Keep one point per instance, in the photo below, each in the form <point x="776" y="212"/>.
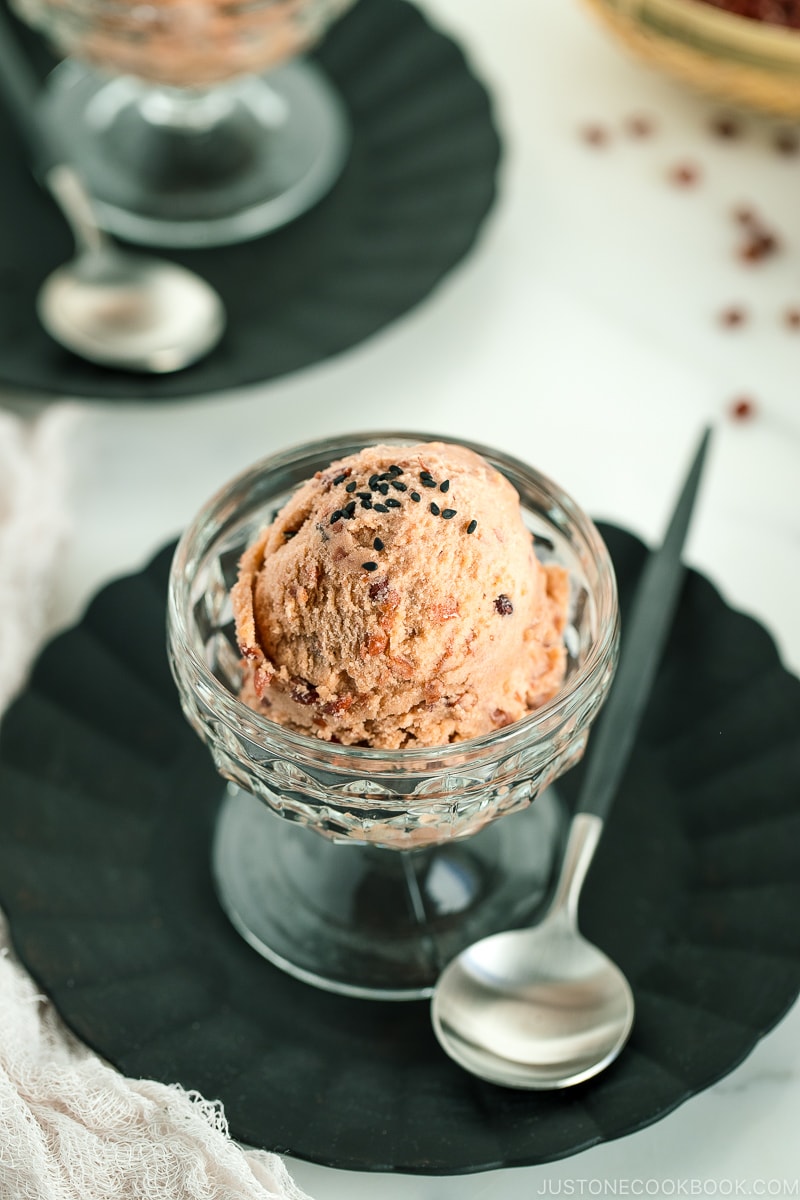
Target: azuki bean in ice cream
<point x="396" y="600"/>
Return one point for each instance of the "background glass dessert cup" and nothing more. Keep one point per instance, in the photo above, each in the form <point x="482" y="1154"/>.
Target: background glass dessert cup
<point x="364" y="870"/>
<point x="194" y="122"/>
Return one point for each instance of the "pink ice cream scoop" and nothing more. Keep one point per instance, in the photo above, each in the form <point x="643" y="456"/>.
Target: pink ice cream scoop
<point x="183" y="43"/>
<point x="396" y="600"/>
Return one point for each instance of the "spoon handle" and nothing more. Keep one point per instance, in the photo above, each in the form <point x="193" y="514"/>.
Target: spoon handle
<point x="642" y="645"/>
<point x="21" y="90"/>
<point x="584" y="834"/>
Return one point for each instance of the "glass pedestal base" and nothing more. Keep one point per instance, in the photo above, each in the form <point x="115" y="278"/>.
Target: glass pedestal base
<point x="172" y="167"/>
<point x="379" y="923"/>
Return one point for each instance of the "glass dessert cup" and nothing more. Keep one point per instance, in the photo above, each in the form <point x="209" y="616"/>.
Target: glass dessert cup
<point x="360" y="870"/>
<point x="194" y="125"/>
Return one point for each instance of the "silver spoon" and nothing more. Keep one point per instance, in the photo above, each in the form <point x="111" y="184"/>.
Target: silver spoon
<point x="122" y="310"/>
<point x="542" y="1007"/>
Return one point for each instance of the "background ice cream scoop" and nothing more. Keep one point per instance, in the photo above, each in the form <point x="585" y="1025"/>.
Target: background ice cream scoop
<point x="396" y="600"/>
<point x="183" y="43"/>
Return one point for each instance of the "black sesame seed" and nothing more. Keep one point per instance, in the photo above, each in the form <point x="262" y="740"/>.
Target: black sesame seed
<point x="340" y="478"/>
<point x="392" y="503"/>
<point x="447" y="513"/>
<point x="415" y="496"/>
<point x="380" y="508"/>
<point x="373" y="481"/>
<point x="425" y="475"/>
<point x="383" y="488"/>
<point x="435" y="509"/>
<point x="473" y="525"/>
<point x="366" y="504"/>
<point x="429" y="483"/>
<point x="349" y="511"/>
<point x="445" y="486"/>
<point x="385" y="475"/>
<point x="370" y="566"/>
<point x="364" y="495"/>
<point x="377" y="544"/>
<point x="399" y="487"/>
<point x="395" y="470"/>
<point x="352" y="485"/>
<point x="337" y="516"/>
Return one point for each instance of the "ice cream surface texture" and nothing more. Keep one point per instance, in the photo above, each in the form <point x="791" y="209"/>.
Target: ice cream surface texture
<point x="396" y="601"/>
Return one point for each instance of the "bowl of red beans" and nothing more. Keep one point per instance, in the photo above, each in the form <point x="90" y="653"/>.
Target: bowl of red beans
<point x="747" y="51"/>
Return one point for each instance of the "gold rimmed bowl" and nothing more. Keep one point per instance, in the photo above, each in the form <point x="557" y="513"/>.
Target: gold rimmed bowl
<point x="744" y="61"/>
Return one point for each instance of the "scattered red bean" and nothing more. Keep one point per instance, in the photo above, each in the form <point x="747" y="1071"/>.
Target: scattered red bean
<point x="760" y="241"/>
<point x="787" y="142"/>
<point x="742" y="409"/>
<point x="727" y="127"/>
<point x="732" y="317"/>
<point x="759" y="245"/>
<point x="745" y="216"/>
<point x="684" y="175"/>
<point x="639" y="126"/>
<point x="594" y="135"/>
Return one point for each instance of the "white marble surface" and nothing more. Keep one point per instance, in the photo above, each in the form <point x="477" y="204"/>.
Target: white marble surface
<point x="581" y="335"/>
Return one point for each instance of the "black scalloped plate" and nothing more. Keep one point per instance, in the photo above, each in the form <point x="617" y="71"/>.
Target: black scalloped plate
<point x="108" y="800"/>
<point x="418" y="184"/>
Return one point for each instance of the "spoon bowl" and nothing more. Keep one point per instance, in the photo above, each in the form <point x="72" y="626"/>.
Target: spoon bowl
<point x="131" y="312"/>
<point x="538" y="1008"/>
<point x="542" y="1007"/>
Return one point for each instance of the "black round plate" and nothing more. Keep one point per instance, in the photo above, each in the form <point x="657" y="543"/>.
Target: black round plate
<point x="418" y="184"/>
<point x="108" y="801"/>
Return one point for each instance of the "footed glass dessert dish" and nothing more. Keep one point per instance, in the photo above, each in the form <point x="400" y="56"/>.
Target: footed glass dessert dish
<point x="194" y="124"/>
<point x="362" y="870"/>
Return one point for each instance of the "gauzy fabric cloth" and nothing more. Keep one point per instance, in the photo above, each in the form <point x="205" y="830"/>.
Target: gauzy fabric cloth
<point x="33" y="477"/>
<point x="71" y="1127"/>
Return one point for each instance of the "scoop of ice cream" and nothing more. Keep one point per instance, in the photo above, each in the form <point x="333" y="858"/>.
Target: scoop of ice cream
<point x="183" y="43"/>
<point x="396" y="600"/>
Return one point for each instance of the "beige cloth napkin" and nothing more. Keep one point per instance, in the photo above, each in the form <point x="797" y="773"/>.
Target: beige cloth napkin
<point x="71" y="1127"/>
